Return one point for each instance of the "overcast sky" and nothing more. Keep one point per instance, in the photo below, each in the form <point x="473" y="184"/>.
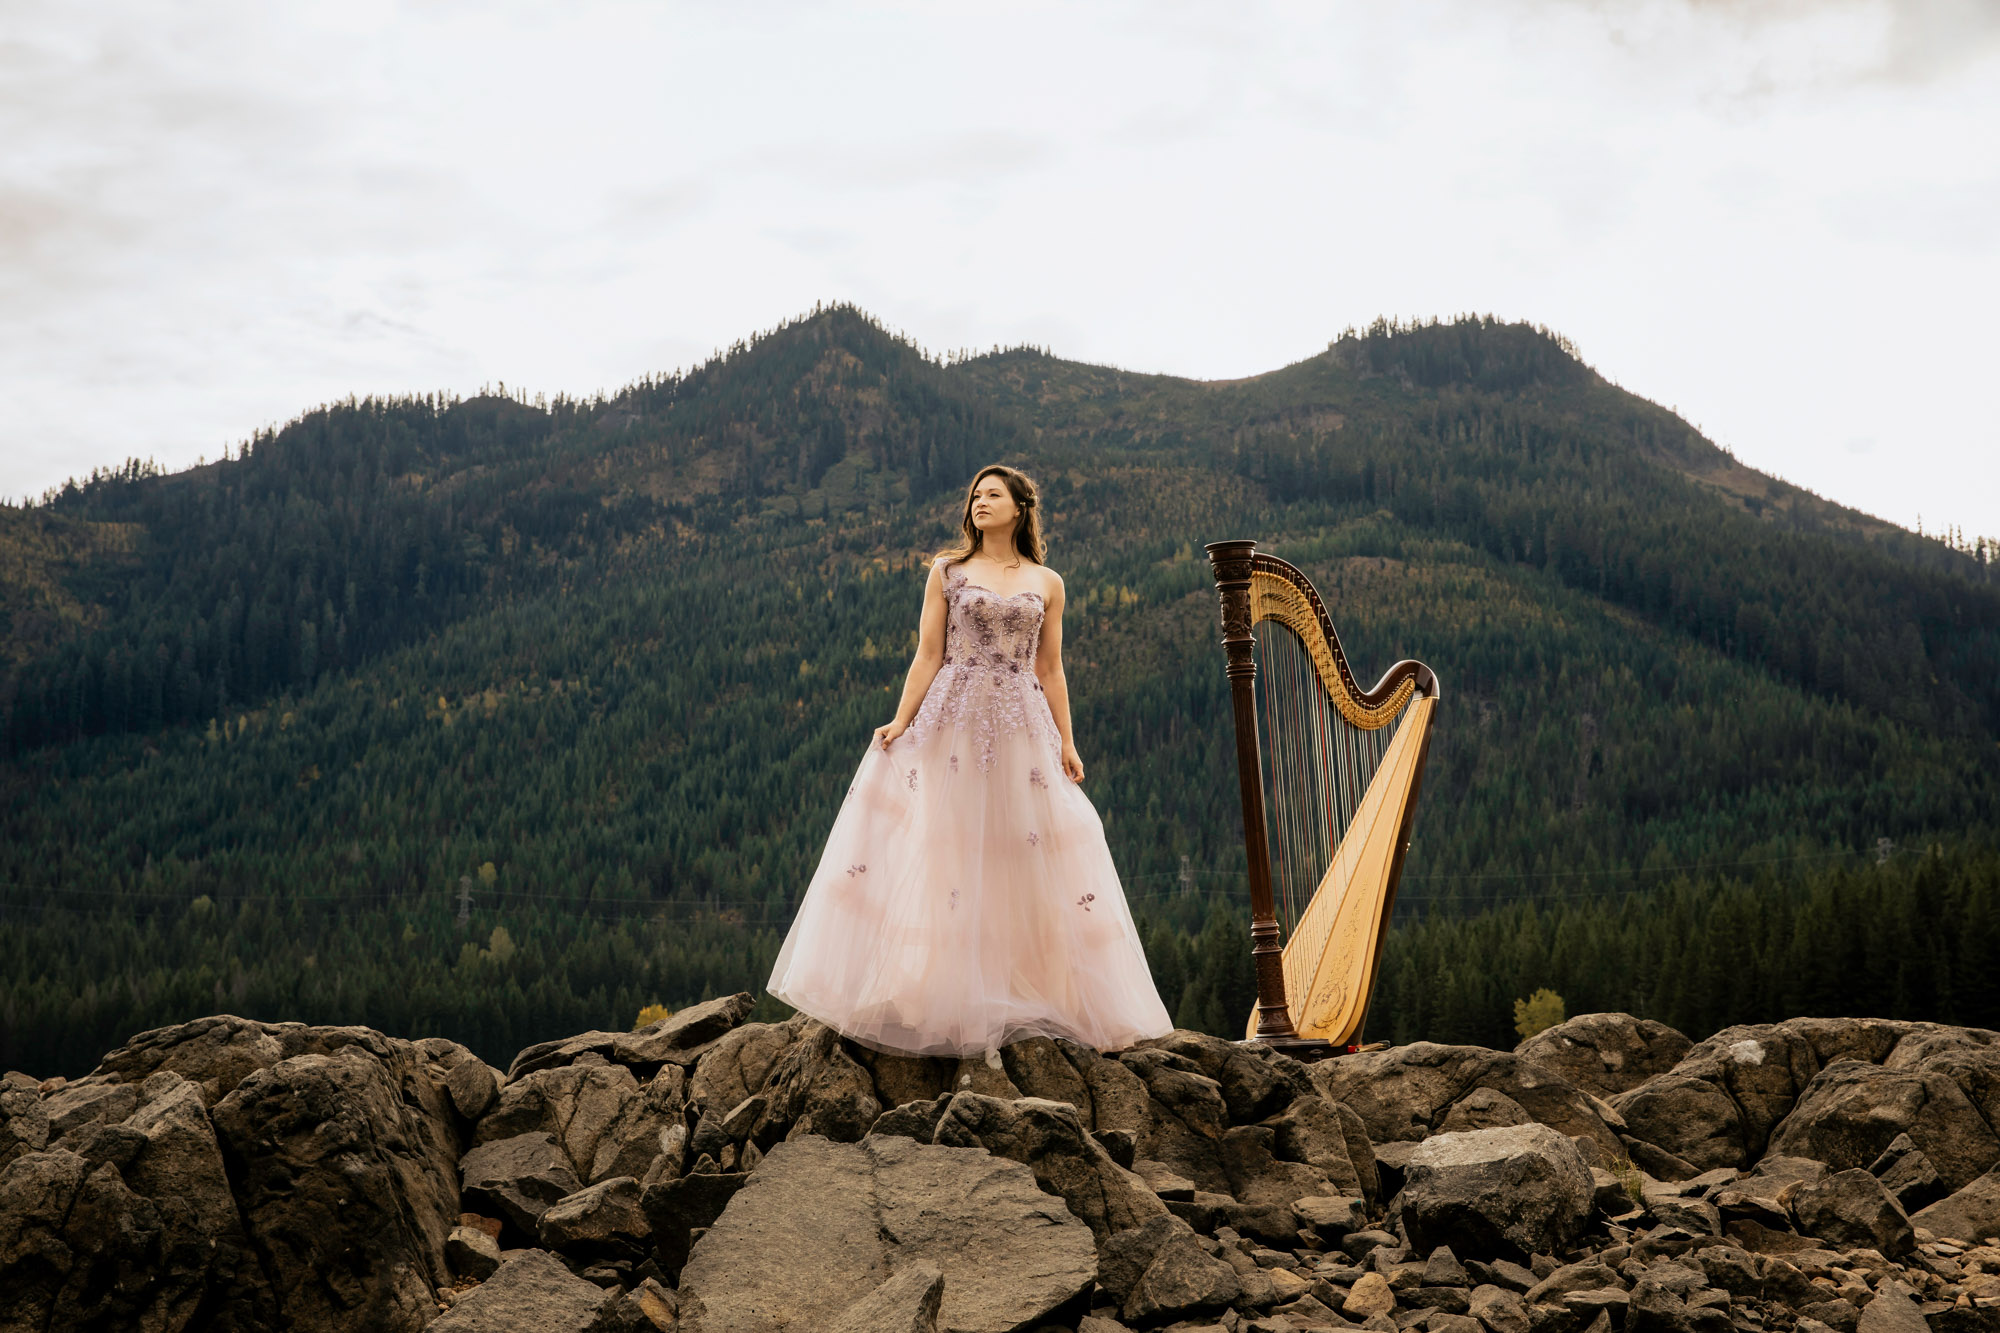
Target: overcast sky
<point x="1779" y="218"/>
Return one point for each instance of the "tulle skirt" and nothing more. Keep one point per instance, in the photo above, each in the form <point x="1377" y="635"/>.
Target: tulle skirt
<point x="967" y="899"/>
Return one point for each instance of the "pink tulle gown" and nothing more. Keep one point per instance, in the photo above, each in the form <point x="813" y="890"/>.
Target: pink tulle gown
<point x="966" y="897"/>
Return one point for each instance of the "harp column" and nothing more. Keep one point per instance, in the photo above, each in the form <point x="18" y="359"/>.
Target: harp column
<point x="1231" y="563"/>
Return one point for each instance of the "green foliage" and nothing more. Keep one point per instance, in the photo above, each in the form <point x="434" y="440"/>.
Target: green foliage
<point x="613" y="663"/>
<point x="1540" y="1011"/>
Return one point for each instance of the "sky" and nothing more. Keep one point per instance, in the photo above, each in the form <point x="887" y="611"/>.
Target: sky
<point x="1777" y="217"/>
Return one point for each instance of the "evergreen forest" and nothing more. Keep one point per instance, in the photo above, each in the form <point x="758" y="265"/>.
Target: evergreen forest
<point x="501" y="718"/>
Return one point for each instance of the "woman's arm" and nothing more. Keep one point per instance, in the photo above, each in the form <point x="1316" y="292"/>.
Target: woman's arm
<point x="924" y="666"/>
<point x="1055" y="685"/>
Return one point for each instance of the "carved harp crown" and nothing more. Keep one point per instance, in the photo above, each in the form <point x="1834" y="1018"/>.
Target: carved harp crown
<point x="1329" y="774"/>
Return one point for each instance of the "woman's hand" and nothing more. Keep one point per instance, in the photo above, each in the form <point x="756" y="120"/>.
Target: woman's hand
<point x="1072" y="763"/>
<point x="888" y="731"/>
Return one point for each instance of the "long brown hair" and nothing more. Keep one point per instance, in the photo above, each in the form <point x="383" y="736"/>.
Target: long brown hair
<point x="1027" y="529"/>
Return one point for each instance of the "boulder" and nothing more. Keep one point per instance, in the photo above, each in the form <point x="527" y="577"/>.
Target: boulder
<point x="1606" y="1054"/>
<point x="472" y="1086"/>
<point x="845" y="1216"/>
<point x="737" y="1065"/>
<point x="1049" y="1139"/>
<point x="1182" y="1279"/>
<point x="906" y="1302"/>
<point x="602" y="1221"/>
<point x="517" y="1179"/>
<point x="347" y="1184"/>
<point x="1322" y="1135"/>
<point x="1850" y="1210"/>
<point x="472" y="1253"/>
<point x="685" y="1036"/>
<point x="1185" y="1117"/>
<point x="24" y="1122"/>
<point x="813" y="1087"/>
<point x="1908" y="1175"/>
<point x="605" y="1123"/>
<point x="1852" y="1111"/>
<point x="1260" y="1177"/>
<point x="531" y="1290"/>
<point x="1124" y="1259"/>
<point x="1255" y="1081"/>
<point x="1498" y="1309"/>
<point x="1332" y="1218"/>
<point x="1406" y="1093"/>
<point x="219" y="1052"/>
<point x="676" y="1209"/>
<point x="1509" y="1192"/>
<point x="1970" y="1214"/>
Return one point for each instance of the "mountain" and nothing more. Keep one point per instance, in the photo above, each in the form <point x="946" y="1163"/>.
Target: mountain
<point x="600" y="669"/>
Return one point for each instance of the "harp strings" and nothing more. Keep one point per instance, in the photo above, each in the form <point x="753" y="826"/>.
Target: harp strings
<point x="1317" y="767"/>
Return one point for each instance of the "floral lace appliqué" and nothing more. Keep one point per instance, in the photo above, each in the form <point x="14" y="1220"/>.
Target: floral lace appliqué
<point x="1085" y="901"/>
<point x="852" y="871"/>
<point x="1034" y="838"/>
<point x="954" y="763"/>
<point x="981" y="684"/>
<point x="1035" y="776"/>
<point x="913" y="779"/>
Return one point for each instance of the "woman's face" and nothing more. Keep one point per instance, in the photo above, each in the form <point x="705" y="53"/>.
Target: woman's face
<point x="993" y="510"/>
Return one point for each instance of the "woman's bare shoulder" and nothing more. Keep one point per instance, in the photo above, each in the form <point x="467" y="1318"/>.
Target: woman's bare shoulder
<point x="1052" y="584"/>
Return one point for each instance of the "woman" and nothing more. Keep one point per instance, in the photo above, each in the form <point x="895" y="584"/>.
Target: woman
<point x="966" y="897"/>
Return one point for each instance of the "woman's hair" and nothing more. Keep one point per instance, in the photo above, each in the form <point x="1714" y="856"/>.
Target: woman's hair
<point x="1027" y="530"/>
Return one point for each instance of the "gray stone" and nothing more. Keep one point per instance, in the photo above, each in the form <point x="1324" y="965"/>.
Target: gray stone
<point x="1606" y="1053"/>
<point x="531" y="1290"/>
<point x="1258" y="1175"/>
<point x="1908" y="1175"/>
<point x="1332" y="1217"/>
<point x="1310" y="1130"/>
<point x="1124" y="1259"/>
<point x="472" y="1253"/>
<point x="912" y="1120"/>
<point x="517" y="1179"/>
<point x="847" y="1215"/>
<point x="1185" y="1117"/>
<point x="1852" y="1111"/>
<point x="1588" y="1275"/>
<point x="647" y="1308"/>
<point x="601" y="1221"/>
<point x="1892" y="1311"/>
<point x="472" y="1086"/>
<point x="1443" y="1269"/>
<point x="676" y="1209"/>
<point x="1512" y="1192"/>
<point x="1500" y="1310"/>
<point x="1970" y="1214"/>
<point x="24" y="1123"/>
<point x="594" y="1111"/>
<point x="348" y="1183"/>
<point x="1183" y="1279"/>
<point x="679" y="1036"/>
<point x="1049" y="1139"/>
<point x="906" y="1302"/>
<point x="814" y="1087"/>
<point x="1851" y="1210"/>
<point x="1406" y="1093"/>
<point x="737" y="1065"/>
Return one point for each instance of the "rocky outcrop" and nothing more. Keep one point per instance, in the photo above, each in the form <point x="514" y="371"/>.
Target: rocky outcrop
<point x="1606" y="1054"/>
<point x="709" y="1173"/>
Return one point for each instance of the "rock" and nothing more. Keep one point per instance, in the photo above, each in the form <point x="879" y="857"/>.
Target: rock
<point x="1049" y="1139"/>
<point x="737" y="1065"/>
<point x="219" y="1052"/>
<point x="1690" y="1117"/>
<point x="1892" y="1311"/>
<point x="1484" y="1108"/>
<point x="533" y="1290"/>
<point x="601" y="1221"/>
<point x="1587" y="1275"/>
<point x="682" y="1036"/>
<point x="1852" y="1111"/>
<point x="1970" y="1214"/>
<point x="1606" y="1054"/>
<point x="517" y="1178"/>
<point x="1513" y="1192"/>
<point x="846" y="1215"/>
<point x="594" y="1111"/>
<point x="1183" y="1279"/>
<point x="1040" y="1067"/>
<point x="1443" y="1269"/>
<point x="1908" y="1175"/>
<point x="348" y="1183"/>
<point x="1500" y="1310"/>
<point x="1163" y="1181"/>
<point x="646" y="1308"/>
<point x="472" y="1253"/>
<point x="1311" y="1130"/>
<point x="472" y="1087"/>
<point x="1185" y="1117"/>
<point x="1851" y="1210"/>
<point x="906" y="1302"/>
<point x="1370" y="1295"/>
<point x="815" y="1087"/>
<point x="1332" y="1218"/>
<point x="24" y="1122"/>
<point x="1407" y="1092"/>
<point x="1258" y="1176"/>
<point x="1124" y="1259"/>
<point x="912" y="1120"/>
<point x="905" y="1078"/>
<point x="676" y="1209"/>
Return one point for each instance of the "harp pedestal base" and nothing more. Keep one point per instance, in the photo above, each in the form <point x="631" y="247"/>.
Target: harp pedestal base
<point x="1307" y="1049"/>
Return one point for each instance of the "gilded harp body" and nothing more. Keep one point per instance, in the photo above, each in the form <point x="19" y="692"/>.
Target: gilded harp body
<point x="1330" y="775"/>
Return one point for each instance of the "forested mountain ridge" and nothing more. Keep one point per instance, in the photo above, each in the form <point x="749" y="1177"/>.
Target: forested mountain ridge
<point x="607" y="666"/>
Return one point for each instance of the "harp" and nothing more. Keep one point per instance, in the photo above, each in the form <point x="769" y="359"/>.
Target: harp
<point x="1330" y="775"/>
